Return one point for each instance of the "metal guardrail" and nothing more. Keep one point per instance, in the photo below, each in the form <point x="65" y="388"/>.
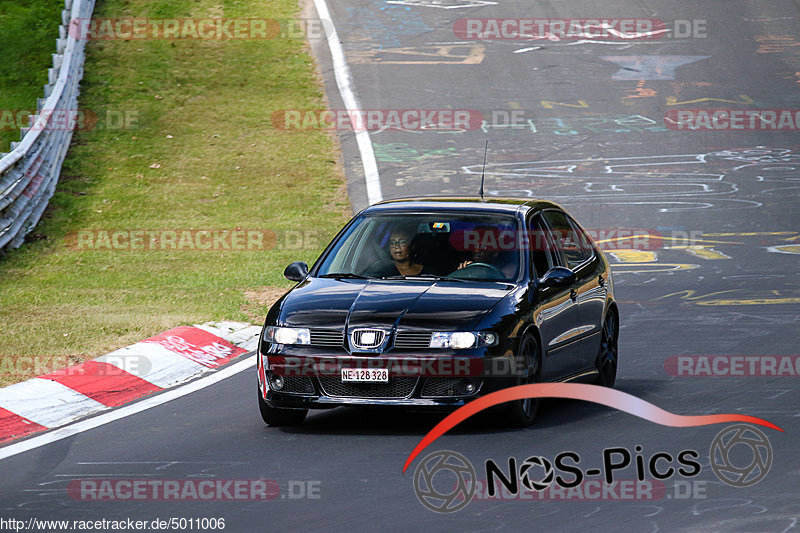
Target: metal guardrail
<point x="29" y="173"/>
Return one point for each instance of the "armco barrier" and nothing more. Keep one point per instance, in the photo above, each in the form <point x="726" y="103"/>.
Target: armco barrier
<point x="29" y="173"/>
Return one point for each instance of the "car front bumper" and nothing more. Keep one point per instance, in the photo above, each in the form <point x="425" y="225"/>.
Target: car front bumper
<point x="313" y="380"/>
<point x="318" y="392"/>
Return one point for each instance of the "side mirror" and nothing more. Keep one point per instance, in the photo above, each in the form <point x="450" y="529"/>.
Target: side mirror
<point x="297" y="271"/>
<point x="558" y="277"/>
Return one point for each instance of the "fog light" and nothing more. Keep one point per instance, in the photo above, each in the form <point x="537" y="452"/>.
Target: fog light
<point x="275" y="382"/>
<point x="467" y="386"/>
<point x="489" y="339"/>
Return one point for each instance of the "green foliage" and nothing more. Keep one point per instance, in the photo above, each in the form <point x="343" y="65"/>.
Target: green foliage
<point x="198" y="152"/>
<point x="28" y="31"/>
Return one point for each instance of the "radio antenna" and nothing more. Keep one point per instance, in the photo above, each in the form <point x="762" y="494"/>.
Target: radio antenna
<point x="483" y="172"/>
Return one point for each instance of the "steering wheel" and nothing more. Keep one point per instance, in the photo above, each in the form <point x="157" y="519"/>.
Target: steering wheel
<point x="489" y="271"/>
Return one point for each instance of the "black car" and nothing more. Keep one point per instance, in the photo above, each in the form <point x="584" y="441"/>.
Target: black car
<point x="435" y="301"/>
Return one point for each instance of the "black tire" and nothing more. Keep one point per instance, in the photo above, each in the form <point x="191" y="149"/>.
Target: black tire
<point x="522" y="413"/>
<point x="275" y="416"/>
<point x="608" y="354"/>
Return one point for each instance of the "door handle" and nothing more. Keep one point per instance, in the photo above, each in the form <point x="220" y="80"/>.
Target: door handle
<point x="601" y="281"/>
<point x="573" y="294"/>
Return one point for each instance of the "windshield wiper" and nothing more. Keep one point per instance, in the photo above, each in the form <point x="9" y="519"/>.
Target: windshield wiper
<point x="424" y="276"/>
<point x="345" y="275"/>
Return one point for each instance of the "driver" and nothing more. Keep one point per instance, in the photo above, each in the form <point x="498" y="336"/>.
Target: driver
<point x="485" y="259"/>
<point x="480" y="255"/>
<point x="483" y="253"/>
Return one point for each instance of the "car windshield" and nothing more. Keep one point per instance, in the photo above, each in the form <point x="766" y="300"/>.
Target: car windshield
<point x="463" y="246"/>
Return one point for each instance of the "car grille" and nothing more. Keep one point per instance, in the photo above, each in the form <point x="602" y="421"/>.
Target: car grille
<point x="327" y="337"/>
<point x="443" y="388"/>
<point x="413" y="340"/>
<point x="396" y="388"/>
<point x="367" y="338"/>
<point x="297" y="385"/>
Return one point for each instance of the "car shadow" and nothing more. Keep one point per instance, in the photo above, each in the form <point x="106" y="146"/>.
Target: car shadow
<point x="398" y="420"/>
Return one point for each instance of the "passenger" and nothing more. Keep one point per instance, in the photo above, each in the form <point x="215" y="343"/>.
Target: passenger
<point x="402" y="252"/>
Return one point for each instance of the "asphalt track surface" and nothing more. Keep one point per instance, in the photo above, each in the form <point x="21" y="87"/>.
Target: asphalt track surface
<point x="732" y="294"/>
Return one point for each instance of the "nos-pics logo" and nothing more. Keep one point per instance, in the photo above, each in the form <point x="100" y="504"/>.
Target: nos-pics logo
<point x="726" y="469"/>
<point x="445" y="481"/>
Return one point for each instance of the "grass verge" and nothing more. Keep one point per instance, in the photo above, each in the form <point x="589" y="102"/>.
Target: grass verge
<point x="28" y="31"/>
<point x="197" y="152"/>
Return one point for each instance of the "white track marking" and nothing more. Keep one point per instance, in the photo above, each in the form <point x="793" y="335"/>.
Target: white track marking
<point x="166" y="368"/>
<point x="344" y="82"/>
<point x="122" y="412"/>
<point x="46" y="402"/>
<point x="244" y="337"/>
<point x="522" y="50"/>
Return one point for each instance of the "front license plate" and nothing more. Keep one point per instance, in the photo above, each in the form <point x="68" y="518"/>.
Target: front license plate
<point x="367" y="375"/>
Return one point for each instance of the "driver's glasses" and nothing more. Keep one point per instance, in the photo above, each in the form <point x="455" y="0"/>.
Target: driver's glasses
<point x="398" y="242"/>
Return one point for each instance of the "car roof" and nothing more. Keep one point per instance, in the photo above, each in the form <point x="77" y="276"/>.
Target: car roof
<point x="461" y="203"/>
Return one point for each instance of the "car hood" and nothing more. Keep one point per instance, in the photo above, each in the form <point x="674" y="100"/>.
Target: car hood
<point x="440" y="305"/>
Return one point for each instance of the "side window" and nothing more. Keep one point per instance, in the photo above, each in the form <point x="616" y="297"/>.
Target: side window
<point x="572" y="245"/>
<point x="540" y="247"/>
<point x="584" y="241"/>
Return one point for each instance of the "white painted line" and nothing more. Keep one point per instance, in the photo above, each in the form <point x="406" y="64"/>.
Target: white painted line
<point x="166" y="368"/>
<point x="442" y="4"/>
<point x="344" y="82"/>
<point x="522" y="50"/>
<point x="46" y="402"/>
<point x="122" y="412"/>
<point x="785" y="249"/>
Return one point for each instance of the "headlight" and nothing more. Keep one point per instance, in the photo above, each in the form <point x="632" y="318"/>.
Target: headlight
<point x="287" y="335"/>
<point x="460" y="340"/>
